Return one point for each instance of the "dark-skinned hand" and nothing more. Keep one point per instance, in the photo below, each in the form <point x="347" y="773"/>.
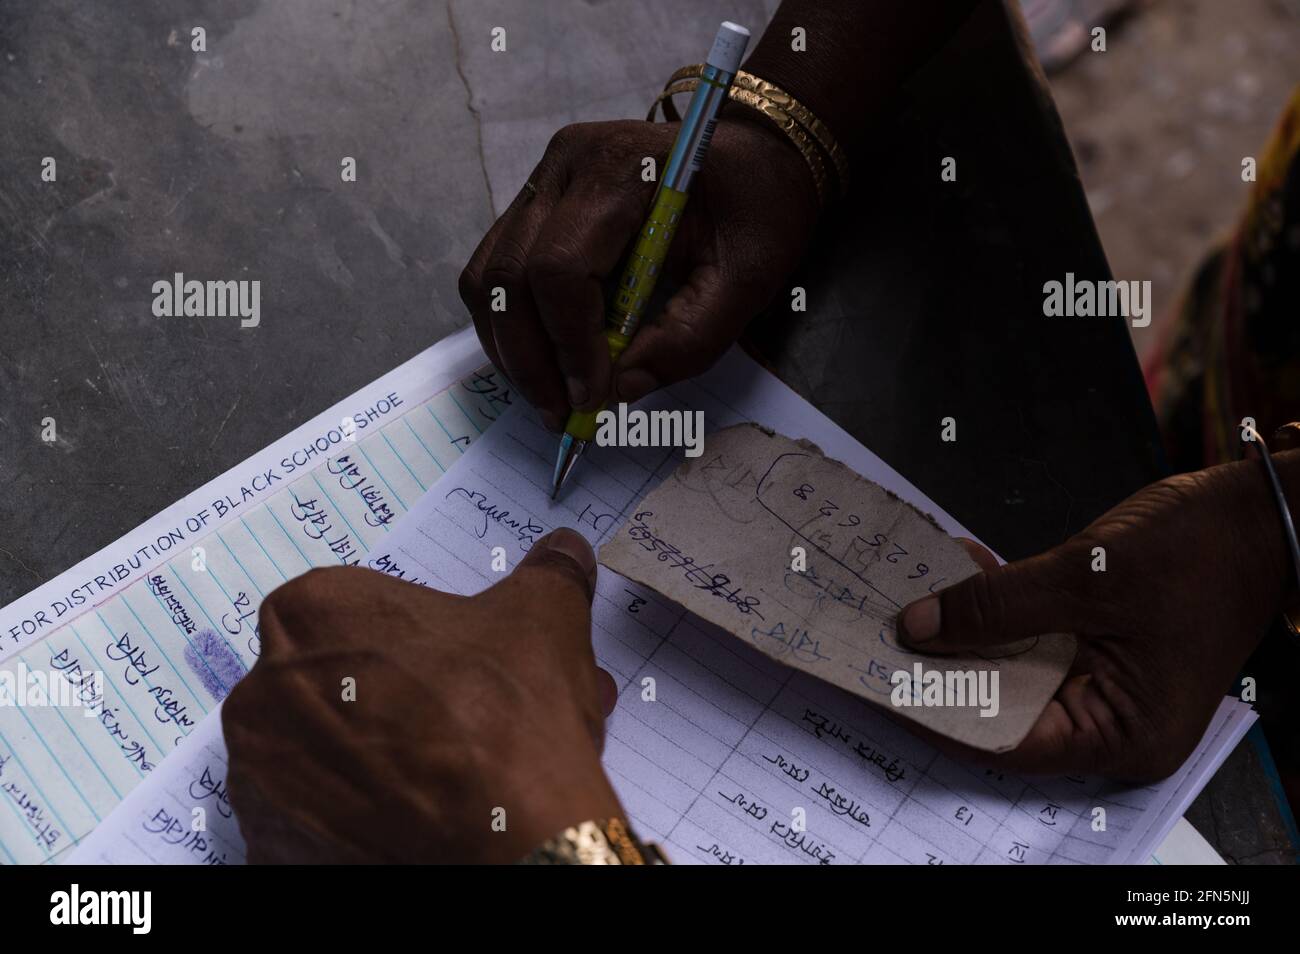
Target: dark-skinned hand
<point x="464" y="706"/>
<point x="1195" y="572"/>
<point x="751" y="212"/>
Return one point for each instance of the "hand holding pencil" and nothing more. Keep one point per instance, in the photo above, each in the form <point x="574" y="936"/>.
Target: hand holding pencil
<point x="752" y="210"/>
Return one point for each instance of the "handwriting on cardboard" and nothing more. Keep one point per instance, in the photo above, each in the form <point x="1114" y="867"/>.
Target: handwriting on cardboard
<point x="810" y="562"/>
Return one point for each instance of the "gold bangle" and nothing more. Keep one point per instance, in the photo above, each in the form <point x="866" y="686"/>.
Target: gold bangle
<point x="608" y="842"/>
<point x="789" y="104"/>
<point x="783" y="120"/>
<point x="776" y="104"/>
<point x="804" y="116"/>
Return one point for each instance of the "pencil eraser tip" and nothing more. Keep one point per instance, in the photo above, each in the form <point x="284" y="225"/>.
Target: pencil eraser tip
<point x="728" y="47"/>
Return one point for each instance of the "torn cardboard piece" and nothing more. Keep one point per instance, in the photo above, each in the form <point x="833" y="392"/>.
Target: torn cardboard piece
<point x="810" y="562"/>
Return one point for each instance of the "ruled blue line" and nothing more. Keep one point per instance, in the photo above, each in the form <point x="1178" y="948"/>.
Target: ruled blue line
<point x="227" y="634"/>
<point x="45" y="798"/>
<point x="292" y="542"/>
<point x="94" y="761"/>
<point x="198" y="699"/>
<point x="404" y="463"/>
<point x="468" y="416"/>
<point x="21" y="821"/>
<point x="24" y="824"/>
<point x="165" y="655"/>
<point x="103" y="622"/>
<point x="380" y="474"/>
<point x="215" y="629"/>
<point x="162" y="749"/>
<point x="184" y="635"/>
<point x="62" y="768"/>
<point x="243" y="569"/>
<point x="265" y="552"/>
<point x="416" y="435"/>
<point x="444" y="426"/>
<point x="342" y="515"/>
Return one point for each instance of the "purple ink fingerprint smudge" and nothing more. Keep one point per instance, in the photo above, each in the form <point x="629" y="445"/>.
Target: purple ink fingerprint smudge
<point x="214" y="662"/>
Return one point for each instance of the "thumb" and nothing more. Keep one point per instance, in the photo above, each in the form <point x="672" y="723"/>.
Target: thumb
<point x="698" y="324"/>
<point x="992" y="608"/>
<point x="566" y="556"/>
<point x="558" y="581"/>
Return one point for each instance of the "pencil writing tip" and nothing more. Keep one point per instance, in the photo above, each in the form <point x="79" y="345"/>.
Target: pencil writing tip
<point x="570" y="450"/>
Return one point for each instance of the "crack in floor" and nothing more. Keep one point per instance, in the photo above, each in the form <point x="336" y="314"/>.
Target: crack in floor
<point x="36" y="576"/>
<point x="469" y="104"/>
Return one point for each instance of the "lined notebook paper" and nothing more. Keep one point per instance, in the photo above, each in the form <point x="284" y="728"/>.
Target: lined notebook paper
<point x="168" y="614"/>
<point x="737" y="759"/>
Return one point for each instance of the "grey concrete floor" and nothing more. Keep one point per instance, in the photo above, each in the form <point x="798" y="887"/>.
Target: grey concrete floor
<point x="225" y="164"/>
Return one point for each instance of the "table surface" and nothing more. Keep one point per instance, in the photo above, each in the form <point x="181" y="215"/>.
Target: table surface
<point x="924" y="302"/>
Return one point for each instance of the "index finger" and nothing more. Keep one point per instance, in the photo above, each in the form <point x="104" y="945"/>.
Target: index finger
<point x="579" y="246"/>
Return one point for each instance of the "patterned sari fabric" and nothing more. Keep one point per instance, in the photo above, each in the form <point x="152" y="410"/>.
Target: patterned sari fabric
<point x="1234" y="350"/>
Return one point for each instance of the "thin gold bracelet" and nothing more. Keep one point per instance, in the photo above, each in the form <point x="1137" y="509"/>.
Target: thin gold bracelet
<point x="794" y="119"/>
<point x="783" y="120"/>
<point x="786" y="103"/>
